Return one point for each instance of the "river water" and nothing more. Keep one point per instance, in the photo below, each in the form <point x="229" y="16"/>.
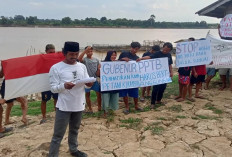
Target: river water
<point x="21" y="41"/>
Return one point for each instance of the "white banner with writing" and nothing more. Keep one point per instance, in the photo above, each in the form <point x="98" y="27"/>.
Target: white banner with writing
<point x="226" y="26"/>
<point x="123" y="75"/>
<point x="221" y="52"/>
<point x="193" y="53"/>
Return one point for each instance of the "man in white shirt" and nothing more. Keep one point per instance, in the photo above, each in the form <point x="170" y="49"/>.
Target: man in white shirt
<point x="71" y="99"/>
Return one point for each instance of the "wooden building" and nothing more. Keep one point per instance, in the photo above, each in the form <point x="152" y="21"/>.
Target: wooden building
<point x="218" y="9"/>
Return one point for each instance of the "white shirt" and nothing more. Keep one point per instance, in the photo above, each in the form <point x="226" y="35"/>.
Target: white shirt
<point x="72" y="100"/>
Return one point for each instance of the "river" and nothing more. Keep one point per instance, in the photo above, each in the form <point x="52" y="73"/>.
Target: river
<point x="22" y="41"/>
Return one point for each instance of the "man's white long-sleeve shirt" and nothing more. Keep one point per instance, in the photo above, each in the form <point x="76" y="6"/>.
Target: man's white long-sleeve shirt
<point x="71" y="100"/>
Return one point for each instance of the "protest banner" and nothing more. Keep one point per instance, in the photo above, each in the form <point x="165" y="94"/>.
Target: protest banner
<point x="123" y="75"/>
<point x="221" y="52"/>
<point x="226" y="26"/>
<point x="193" y="53"/>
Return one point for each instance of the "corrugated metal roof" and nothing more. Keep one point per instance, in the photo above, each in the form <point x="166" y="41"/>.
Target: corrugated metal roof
<point x="217" y="9"/>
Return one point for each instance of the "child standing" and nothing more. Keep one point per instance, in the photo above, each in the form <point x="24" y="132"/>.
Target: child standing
<point x="110" y="98"/>
<point x="184" y="80"/>
<point x="92" y="64"/>
<point x="198" y="77"/>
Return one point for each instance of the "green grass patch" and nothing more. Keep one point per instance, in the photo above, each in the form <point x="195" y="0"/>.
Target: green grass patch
<point x="210" y="106"/>
<point x="131" y="120"/>
<point x="91" y="115"/>
<point x="172" y="88"/>
<point x="188" y="102"/>
<point x="155" y="128"/>
<point x="181" y="117"/>
<point x="161" y="118"/>
<point x="131" y="123"/>
<point x="34" y="108"/>
<point x="175" y="108"/>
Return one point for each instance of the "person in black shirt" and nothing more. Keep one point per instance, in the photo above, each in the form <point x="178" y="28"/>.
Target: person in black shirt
<point x="158" y="90"/>
<point x="132" y="92"/>
<point x="147" y="90"/>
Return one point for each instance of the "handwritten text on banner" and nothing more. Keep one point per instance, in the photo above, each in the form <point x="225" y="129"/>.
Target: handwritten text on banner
<point x="193" y="53"/>
<point x="132" y="74"/>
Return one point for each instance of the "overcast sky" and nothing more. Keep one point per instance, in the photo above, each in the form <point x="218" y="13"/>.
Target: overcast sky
<point x="164" y="10"/>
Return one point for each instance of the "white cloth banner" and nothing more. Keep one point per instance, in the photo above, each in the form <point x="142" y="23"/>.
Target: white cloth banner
<point x="193" y="53"/>
<point x="123" y="75"/>
<point x="221" y="52"/>
<point x="226" y="26"/>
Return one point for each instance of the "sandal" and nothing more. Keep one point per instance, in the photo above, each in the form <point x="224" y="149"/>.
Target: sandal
<point x="7" y="130"/>
<point x="161" y="103"/>
<point x="152" y="107"/>
<point x="138" y="109"/>
<point x="142" y="99"/>
<point x="191" y="99"/>
<point x="126" y="111"/>
<point x="42" y="121"/>
<point x="1" y="135"/>
<point x="200" y="97"/>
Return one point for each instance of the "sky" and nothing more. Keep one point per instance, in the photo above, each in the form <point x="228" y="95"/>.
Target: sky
<point x="164" y="10"/>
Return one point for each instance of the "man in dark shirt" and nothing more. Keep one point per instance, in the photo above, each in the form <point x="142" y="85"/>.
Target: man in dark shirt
<point x="154" y="49"/>
<point x="158" y="90"/>
<point x="132" y="92"/>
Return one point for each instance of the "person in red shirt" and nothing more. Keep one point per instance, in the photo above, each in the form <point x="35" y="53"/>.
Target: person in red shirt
<point x="197" y="77"/>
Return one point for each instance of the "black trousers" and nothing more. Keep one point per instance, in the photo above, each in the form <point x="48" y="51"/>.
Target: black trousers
<point x="157" y="93"/>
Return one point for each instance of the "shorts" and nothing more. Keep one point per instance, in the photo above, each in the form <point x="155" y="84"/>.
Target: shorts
<point x="211" y="71"/>
<point x="200" y="78"/>
<point x="2" y="91"/>
<point x="132" y="92"/>
<point x="95" y="87"/>
<point x="224" y="71"/>
<point x="184" y="79"/>
<point x="48" y="94"/>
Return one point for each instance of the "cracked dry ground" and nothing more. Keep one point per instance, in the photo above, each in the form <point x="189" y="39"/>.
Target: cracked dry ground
<point x="188" y="129"/>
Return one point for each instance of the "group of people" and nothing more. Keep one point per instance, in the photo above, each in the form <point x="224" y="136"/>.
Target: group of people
<point x="70" y="99"/>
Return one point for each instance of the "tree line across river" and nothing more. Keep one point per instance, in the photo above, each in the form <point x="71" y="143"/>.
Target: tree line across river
<point x="20" y="20"/>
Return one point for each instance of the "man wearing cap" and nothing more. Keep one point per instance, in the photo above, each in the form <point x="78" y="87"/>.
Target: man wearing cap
<point x="71" y="99"/>
<point x="46" y="96"/>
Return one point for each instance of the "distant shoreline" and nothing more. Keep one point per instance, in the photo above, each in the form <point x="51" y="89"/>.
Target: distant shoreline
<point x="96" y="27"/>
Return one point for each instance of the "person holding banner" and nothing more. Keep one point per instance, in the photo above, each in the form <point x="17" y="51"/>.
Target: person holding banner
<point x="10" y="103"/>
<point x="147" y="90"/>
<point x="3" y="130"/>
<point x="46" y="96"/>
<point x="64" y="78"/>
<point x="110" y="98"/>
<point x="158" y="90"/>
<point x="197" y="77"/>
<point x="93" y="65"/>
<point x="184" y="80"/>
<point x="132" y="92"/>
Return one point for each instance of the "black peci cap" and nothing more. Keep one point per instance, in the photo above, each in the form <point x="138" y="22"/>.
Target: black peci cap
<point x="71" y="46"/>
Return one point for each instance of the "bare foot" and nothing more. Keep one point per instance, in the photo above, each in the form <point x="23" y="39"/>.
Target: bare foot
<point x="24" y="121"/>
<point x="180" y="100"/>
<point x="222" y="88"/>
<point x="9" y="122"/>
<point x="177" y="97"/>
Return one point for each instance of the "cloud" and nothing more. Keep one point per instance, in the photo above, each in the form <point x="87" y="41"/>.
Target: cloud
<point x="37" y="4"/>
<point x="163" y="6"/>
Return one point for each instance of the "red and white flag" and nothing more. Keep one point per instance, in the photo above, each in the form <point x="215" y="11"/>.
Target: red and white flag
<point x="28" y="75"/>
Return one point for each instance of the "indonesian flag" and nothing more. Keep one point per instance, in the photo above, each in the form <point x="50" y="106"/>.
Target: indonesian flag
<point x="28" y="75"/>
